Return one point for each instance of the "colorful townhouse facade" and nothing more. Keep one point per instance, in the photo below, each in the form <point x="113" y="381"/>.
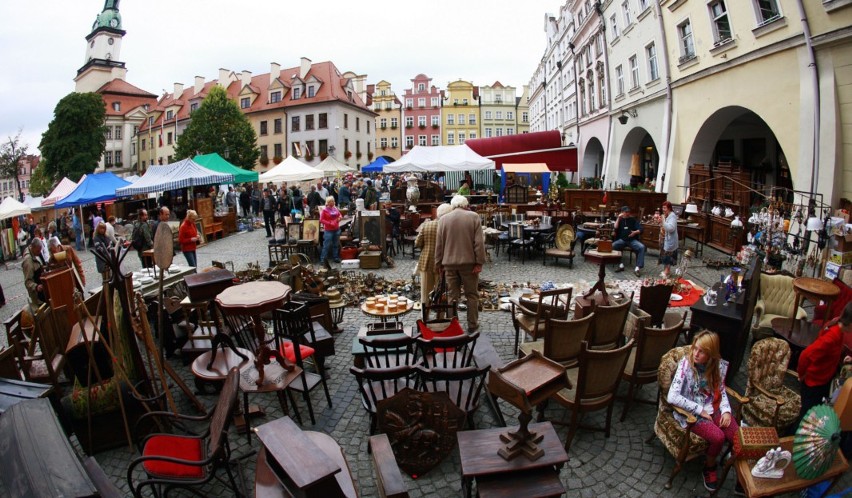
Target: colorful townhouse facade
<point x="422" y="114"/>
<point x="497" y="107"/>
<point x="388" y="109"/>
<point x="460" y="116"/>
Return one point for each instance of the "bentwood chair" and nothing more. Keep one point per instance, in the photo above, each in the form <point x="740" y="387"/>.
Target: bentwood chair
<point x="462" y="385"/>
<point x="531" y="316"/>
<point x="378" y="384"/>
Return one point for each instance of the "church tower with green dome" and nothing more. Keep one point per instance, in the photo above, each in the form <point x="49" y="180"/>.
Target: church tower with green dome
<point x="102" y="63"/>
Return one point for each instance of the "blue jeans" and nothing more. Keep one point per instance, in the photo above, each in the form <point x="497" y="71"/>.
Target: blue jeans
<point x="190" y="258"/>
<point x="330" y="242"/>
<point x="80" y="243"/>
<point x="638" y="248"/>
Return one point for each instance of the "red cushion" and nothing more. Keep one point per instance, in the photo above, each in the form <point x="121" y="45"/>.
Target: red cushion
<point x="185" y="448"/>
<point x="453" y="329"/>
<point x="290" y="354"/>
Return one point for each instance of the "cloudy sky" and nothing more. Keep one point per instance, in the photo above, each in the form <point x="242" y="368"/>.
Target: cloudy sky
<point x="43" y="44"/>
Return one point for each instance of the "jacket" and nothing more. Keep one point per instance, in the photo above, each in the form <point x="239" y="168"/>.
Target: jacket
<point x="669" y="228"/>
<point x="185" y="234"/>
<point x="330" y="219"/>
<point x="31" y="266"/>
<point x="818" y="362"/>
<point x="147" y="235"/>
<point x="459" y="241"/>
<point x="684" y="392"/>
<point x="426" y="240"/>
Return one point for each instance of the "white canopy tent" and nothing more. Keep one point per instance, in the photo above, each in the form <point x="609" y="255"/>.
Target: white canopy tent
<point x="332" y="165"/>
<point x="64" y="188"/>
<point x="291" y="170"/>
<point x="10" y="207"/>
<point x="440" y="158"/>
<point x="182" y="174"/>
<point x="33" y="203"/>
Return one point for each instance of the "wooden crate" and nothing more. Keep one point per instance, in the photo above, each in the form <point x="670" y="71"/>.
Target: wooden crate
<point x="370" y="260"/>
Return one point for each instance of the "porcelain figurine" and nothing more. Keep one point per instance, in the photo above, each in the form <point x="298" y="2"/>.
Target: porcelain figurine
<point x="772" y="465"/>
<point x="717" y="211"/>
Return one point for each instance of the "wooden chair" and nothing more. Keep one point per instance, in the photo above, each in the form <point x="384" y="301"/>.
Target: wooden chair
<point x="41" y="358"/>
<point x="562" y="340"/>
<point x="654" y="300"/>
<point x="532" y="316"/>
<point x="607" y="328"/>
<point x="388" y="477"/>
<point x="596" y="383"/>
<point x="293" y="327"/>
<point x="188" y="461"/>
<point x="377" y="384"/>
<point x="644" y="360"/>
<point x="680" y="442"/>
<point x="519" y="241"/>
<point x="408" y="233"/>
<point x="391" y="242"/>
<point x="772" y="404"/>
<point x="9" y="364"/>
<point x="462" y="385"/>
<point x="447" y="352"/>
<point x="389" y="351"/>
<point x="503" y="239"/>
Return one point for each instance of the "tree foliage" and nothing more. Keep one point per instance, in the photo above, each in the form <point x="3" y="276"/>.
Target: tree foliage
<point x="11" y="153"/>
<point x="74" y="141"/>
<point x="40" y="183"/>
<point x="219" y="126"/>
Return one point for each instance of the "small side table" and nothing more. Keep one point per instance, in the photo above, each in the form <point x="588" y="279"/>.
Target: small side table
<point x="799" y="334"/>
<point x="814" y="290"/>
<point x="601" y="259"/>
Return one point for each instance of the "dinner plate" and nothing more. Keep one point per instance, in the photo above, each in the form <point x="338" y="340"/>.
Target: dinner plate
<point x="505" y="299"/>
<point x="676" y="297"/>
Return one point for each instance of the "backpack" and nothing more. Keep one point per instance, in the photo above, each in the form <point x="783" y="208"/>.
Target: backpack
<point x="137" y="239"/>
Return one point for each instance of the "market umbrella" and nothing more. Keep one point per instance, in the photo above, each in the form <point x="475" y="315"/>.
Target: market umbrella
<point x="816" y="442"/>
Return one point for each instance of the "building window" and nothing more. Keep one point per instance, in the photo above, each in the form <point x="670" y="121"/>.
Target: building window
<point x="421" y="102"/>
<point x="613" y="22"/>
<point x="525" y="117"/>
<point x="643" y="4"/>
<point x="323" y="146"/>
<point x="264" y="151"/>
<point x="602" y="88"/>
<point x="309" y="122"/>
<point x="510" y="115"/>
<point x="767" y="11"/>
<point x="472" y="135"/>
<point x="451" y="138"/>
<point x="634" y="72"/>
<point x="295" y="149"/>
<point x="169" y="138"/>
<point x="721" y="23"/>
<point x="498" y="115"/>
<point x="498" y="132"/>
<point x="276" y="125"/>
<point x="323" y="120"/>
<point x="345" y="121"/>
<point x="461" y="137"/>
<point x="297" y="93"/>
<point x="388" y="106"/>
<point x="409" y="121"/>
<point x="434" y="101"/>
<point x="421" y="87"/>
<point x="383" y="142"/>
<point x="263" y="128"/>
<point x="651" y="52"/>
<point x="421" y="121"/>
<point x="275" y="96"/>
<point x="132" y="148"/>
<point x="436" y="120"/>
<point x="409" y="141"/>
<point x="687" y="49"/>
<point x="509" y="131"/>
<point x="383" y="123"/>
<point x="278" y="149"/>
<point x="295" y="123"/>
<point x="488" y="114"/>
<point x="599" y="45"/>
<point x="117" y="133"/>
<point x="117" y="161"/>
<point x="625" y="10"/>
<point x="591" y="92"/>
<point x="409" y="103"/>
<point x="394" y="142"/>
<point x="421" y="140"/>
<point x="464" y="101"/>
<point x="107" y="163"/>
<point x="245" y="103"/>
<point x="461" y="119"/>
<point x="108" y="132"/>
<point x="193" y="107"/>
<point x="170" y="114"/>
<point x="144" y="144"/>
<point x="311" y="91"/>
<point x="394" y="123"/>
<point x="436" y="140"/>
<point x="116" y="106"/>
<point x="357" y="123"/>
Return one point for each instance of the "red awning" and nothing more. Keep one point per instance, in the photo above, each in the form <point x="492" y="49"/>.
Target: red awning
<point x="540" y="147"/>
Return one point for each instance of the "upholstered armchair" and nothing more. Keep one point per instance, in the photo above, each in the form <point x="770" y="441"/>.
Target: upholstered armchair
<point x="681" y="442"/>
<point x="772" y="403"/>
<point x="777" y="300"/>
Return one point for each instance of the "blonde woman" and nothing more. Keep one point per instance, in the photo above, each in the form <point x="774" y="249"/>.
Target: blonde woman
<point x="188" y="238"/>
<point x="330" y="219"/>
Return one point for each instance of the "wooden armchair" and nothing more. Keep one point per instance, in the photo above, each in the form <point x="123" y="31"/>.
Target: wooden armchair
<point x="772" y="403"/>
<point x="681" y="442"/>
<point x="448" y="352"/>
<point x="777" y="300"/>
<point x="562" y="340"/>
<point x="607" y="330"/>
<point x="40" y="353"/>
<point x="532" y="316"/>
<point x="388" y="477"/>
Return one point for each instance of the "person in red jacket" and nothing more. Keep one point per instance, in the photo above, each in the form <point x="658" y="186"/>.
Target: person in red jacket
<point x="188" y="238"/>
<point x="330" y="219"/>
<point x="818" y="362"/>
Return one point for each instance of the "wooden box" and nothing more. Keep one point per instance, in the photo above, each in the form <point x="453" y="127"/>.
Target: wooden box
<point x="604" y="246"/>
<point x="754" y="442"/>
<point x="205" y="286"/>
<point x="370" y="260"/>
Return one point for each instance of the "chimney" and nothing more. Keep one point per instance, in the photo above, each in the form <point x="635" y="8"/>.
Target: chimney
<point x="274" y="72"/>
<point x="245" y="78"/>
<point x="199" y="84"/>
<point x="360" y="84"/>
<point x="224" y="77"/>
<point x="178" y="91"/>
<point x="306" y="66"/>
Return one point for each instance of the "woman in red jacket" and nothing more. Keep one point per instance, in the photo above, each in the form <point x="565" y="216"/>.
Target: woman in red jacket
<point x="330" y="219"/>
<point x="188" y="238"/>
<point x="818" y="362"/>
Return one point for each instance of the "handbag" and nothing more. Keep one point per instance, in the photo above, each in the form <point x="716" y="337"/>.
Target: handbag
<point x="438" y="295"/>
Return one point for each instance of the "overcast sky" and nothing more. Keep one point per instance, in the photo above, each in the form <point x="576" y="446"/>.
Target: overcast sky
<point x="42" y="44"/>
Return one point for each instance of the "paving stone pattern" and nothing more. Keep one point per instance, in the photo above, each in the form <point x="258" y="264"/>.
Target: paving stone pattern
<point x="621" y="465"/>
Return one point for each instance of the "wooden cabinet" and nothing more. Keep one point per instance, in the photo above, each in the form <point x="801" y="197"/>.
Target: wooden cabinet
<point x="640" y="201"/>
<point x="204" y="208"/>
<point x="700" y="184"/>
<point x="731" y="187"/>
<point x="651" y="235"/>
<point x="720" y="237"/>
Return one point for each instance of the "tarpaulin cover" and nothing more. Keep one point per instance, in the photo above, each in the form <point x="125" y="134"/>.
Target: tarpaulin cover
<point x="539" y="147"/>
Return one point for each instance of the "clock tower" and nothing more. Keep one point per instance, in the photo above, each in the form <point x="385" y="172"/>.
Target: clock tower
<point x="103" y="49"/>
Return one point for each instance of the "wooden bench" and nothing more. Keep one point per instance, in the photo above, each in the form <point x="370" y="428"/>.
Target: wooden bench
<point x="484" y="354"/>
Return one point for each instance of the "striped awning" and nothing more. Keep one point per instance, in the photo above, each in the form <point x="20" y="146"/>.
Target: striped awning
<point x="182" y="174"/>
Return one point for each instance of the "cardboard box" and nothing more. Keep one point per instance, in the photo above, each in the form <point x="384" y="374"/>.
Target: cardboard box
<point x="832" y="270"/>
<point x="840" y="257"/>
<point x="842" y="243"/>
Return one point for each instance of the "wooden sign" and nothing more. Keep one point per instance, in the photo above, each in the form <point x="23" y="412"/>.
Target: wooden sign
<point x="164" y="251"/>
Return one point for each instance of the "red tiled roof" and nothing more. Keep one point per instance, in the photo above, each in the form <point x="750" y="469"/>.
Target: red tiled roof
<point x="122" y="87"/>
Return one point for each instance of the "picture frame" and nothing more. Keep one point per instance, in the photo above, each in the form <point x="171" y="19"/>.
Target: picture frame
<point x="294" y="231"/>
<point x="372" y="228"/>
<point x="199" y="226"/>
<point x="310" y="230"/>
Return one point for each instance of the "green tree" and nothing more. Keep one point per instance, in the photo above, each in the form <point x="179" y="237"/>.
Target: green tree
<point x="74" y="141"/>
<point x="11" y="153"/>
<point x="40" y="183"/>
<point x="219" y="126"/>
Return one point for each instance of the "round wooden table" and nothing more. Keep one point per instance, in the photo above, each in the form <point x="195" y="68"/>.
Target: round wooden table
<point x="602" y="259"/>
<point x="799" y="334"/>
<point x="815" y="290"/>
<point x="384" y="316"/>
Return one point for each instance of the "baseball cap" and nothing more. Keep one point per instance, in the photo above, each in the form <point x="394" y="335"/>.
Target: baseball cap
<point x="625" y="209"/>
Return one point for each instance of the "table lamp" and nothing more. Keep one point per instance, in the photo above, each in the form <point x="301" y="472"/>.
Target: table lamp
<point x="691" y="209"/>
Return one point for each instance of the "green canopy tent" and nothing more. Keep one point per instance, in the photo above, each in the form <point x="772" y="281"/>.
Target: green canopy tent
<point x="218" y="164"/>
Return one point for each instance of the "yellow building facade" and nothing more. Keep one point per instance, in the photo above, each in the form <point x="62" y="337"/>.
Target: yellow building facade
<point x="389" y="116"/>
<point x="460" y="113"/>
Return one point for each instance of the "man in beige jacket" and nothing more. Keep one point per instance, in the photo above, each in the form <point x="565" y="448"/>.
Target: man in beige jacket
<point x="426" y="240"/>
<point x="460" y="254"/>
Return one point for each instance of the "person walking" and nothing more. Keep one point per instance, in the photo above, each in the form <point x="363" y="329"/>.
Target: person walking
<point x="314" y="200"/>
<point x="33" y="266"/>
<point x="78" y="231"/>
<point x="245" y="202"/>
<point x="296" y="198"/>
<point x="698" y="386"/>
<point x="668" y="252"/>
<point x="818" y="362"/>
<point x="460" y="254"/>
<point x="426" y="241"/>
<point x="142" y="239"/>
<point x="268" y="212"/>
<point x="255" y="200"/>
<point x="101" y="238"/>
<point x="330" y="220"/>
<point x="626" y="233"/>
<point x="188" y="238"/>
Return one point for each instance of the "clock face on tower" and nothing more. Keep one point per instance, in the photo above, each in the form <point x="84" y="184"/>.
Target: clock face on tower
<point x="110" y="41"/>
<point x="113" y="22"/>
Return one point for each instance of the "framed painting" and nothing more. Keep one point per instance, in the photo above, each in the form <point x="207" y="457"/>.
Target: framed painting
<point x="294" y="231"/>
<point x="199" y="226"/>
<point x="310" y="230"/>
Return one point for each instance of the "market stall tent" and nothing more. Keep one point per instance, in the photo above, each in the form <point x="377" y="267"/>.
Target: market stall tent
<point x="527" y="170"/>
<point x="215" y="162"/>
<point x="64" y="188"/>
<point x="332" y="165"/>
<point x="182" y="174"/>
<point x="11" y="207"/>
<point x="33" y="203"/>
<point x="375" y="166"/>
<point x="291" y="170"/>
<point x="97" y="187"/>
<point x="439" y="158"/>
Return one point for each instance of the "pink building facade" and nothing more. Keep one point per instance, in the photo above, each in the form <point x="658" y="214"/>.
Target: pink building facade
<point x="421" y="114"/>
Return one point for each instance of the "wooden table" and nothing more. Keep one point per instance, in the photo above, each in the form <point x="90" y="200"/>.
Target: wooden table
<point x="385" y="316"/>
<point x="790" y="482"/>
<point x="815" y="290"/>
<point x="480" y="461"/>
<point x="602" y="259"/>
<point x="276" y="380"/>
<point x="799" y="334"/>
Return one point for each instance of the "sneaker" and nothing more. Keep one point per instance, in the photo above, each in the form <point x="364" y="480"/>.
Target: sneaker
<point x="711" y="481"/>
<point x="620" y="268"/>
<point x="637" y="271"/>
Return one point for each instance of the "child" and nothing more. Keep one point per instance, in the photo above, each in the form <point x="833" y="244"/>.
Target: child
<point x="698" y="387"/>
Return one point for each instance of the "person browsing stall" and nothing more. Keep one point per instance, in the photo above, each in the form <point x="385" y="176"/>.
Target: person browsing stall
<point x="626" y="233"/>
<point x="188" y="238"/>
<point x="330" y="219"/>
<point x="668" y="251"/>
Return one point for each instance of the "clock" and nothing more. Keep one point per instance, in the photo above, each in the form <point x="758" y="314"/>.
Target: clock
<point x="113" y="22"/>
<point x="110" y="41"/>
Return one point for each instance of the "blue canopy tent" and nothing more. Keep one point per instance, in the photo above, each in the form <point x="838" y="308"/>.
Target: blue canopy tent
<point x="526" y="174"/>
<point x="97" y="187"/>
<point x="375" y="166"/>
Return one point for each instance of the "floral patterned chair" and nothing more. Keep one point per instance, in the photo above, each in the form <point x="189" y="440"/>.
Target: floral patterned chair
<point x="680" y="442"/>
<point x="772" y="403"/>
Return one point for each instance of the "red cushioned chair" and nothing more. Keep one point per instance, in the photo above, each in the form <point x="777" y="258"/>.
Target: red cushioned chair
<point x="837" y="305"/>
<point x="188" y="460"/>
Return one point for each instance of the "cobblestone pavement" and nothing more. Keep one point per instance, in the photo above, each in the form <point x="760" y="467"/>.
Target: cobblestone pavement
<point x="621" y="465"/>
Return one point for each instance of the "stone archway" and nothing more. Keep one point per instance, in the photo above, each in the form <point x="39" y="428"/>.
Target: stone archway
<point x="639" y="143"/>
<point x="593" y="159"/>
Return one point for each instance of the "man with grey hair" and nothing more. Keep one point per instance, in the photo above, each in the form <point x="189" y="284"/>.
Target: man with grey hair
<point x="71" y="259"/>
<point x="460" y="254"/>
<point x="32" y="266"/>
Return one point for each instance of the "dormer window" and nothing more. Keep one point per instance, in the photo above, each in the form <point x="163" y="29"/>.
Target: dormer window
<point x="245" y="103"/>
<point x="170" y="114"/>
<point x="275" y="97"/>
<point x="116" y="106"/>
<point x="311" y="91"/>
<point x="193" y="107"/>
<point x="150" y="120"/>
<point x="297" y="93"/>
